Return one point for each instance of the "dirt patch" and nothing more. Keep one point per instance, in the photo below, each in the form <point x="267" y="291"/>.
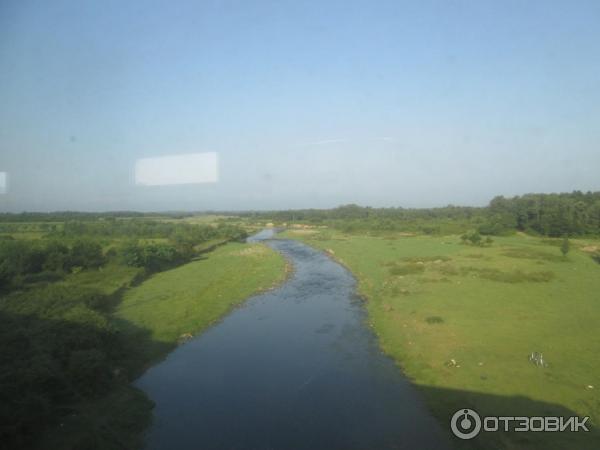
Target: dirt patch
<point x="590" y="248"/>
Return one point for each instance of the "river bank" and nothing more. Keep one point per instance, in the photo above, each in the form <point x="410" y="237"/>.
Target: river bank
<point x="293" y="368"/>
<point x="153" y="317"/>
<point x="461" y="321"/>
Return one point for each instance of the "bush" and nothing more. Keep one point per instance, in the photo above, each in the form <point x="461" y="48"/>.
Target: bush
<point x="26" y="261"/>
<point x="57" y="257"/>
<point x="87" y="254"/>
<point x="473" y="238"/>
<point x="434" y="320"/>
<point x="153" y="257"/>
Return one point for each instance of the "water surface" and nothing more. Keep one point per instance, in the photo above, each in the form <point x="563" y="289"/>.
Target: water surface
<point x="294" y="368"/>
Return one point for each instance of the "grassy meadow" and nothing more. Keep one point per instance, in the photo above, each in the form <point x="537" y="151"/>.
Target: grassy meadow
<point x="462" y="320"/>
<point x="177" y="303"/>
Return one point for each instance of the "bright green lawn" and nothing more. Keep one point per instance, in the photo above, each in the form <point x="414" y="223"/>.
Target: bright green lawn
<point x="191" y="297"/>
<point x="433" y="299"/>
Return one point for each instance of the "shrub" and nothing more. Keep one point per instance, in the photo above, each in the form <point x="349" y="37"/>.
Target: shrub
<point x="434" y="320"/>
<point x="472" y="238"/>
<point x="565" y="246"/>
<point x="87" y="254"/>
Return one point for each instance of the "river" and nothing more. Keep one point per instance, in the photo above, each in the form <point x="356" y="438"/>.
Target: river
<point x="293" y="368"/>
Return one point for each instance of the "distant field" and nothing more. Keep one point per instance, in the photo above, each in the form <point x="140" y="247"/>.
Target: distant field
<point x="462" y="320"/>
<point x="24" y="235"/>
<point x="187" y="299"/>
<point x="203" y="219"/>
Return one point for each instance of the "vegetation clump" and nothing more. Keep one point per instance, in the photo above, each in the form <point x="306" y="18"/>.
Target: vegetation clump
<point x="407" y="269"/>
<point x="474" y="238"/>
<point x="434" y="320"/>
<point x="565" y="246"/>
<point x="514" y="276"/>
<point x="530" y="253"/>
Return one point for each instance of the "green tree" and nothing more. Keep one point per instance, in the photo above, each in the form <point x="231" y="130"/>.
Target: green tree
<point x="87" y="254"/>
<point x="565" y="246"/>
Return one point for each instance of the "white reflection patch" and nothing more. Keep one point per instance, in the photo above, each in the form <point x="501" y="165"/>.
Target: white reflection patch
<point x="178" y="169"/>
<point x="3" y="182"/>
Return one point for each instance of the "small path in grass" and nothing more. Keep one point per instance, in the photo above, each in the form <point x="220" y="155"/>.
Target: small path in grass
<point x="294" y="368"/>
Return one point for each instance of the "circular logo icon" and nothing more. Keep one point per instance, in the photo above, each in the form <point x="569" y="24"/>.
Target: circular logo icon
<point x="465" y="424"/>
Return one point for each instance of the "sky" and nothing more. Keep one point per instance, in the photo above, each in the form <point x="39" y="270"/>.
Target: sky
<point x="297" y="103"/>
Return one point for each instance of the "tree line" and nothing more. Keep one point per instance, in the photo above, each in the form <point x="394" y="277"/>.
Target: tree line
<point x="80" y="246"/>
<point x="570" y="214"/>
<point x="554" y="215"/>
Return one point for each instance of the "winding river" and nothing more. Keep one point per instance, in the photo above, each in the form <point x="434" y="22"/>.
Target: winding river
<point x="294" y="368"/>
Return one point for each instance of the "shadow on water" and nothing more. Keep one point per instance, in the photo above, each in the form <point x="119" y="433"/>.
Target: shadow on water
<point x="297" y="368"/>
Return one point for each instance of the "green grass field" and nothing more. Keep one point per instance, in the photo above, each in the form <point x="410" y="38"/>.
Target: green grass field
<point x="461" y="321"/>
<point x="189" y="298"/>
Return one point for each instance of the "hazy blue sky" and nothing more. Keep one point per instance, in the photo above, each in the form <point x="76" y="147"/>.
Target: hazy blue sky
<point x="307" y="104"/>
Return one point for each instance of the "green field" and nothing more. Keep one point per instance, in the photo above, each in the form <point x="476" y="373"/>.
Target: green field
<point x="462" y="320"/>
<point x="184" y="301"/>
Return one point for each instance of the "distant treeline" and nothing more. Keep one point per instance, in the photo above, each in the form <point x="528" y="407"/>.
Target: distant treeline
<point x="575" y="213"/>
<point x="572" y="214"/>
<point x="61" y="216"/>
<point x="148" y="229"/>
